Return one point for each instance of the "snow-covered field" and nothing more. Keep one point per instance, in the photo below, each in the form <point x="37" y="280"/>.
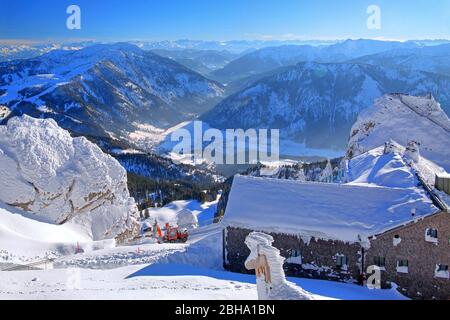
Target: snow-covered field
<point x="157" y="272"/>
<point x="162" y="282"/>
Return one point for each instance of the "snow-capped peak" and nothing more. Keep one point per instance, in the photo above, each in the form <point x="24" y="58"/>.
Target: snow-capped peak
<point x="404" y="119"/>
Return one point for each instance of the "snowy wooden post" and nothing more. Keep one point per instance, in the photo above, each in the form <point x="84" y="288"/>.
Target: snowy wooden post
<point x="258" y="262"/>
<point x="268" y="263"/>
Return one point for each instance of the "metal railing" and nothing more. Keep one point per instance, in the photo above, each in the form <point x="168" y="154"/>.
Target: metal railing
<point x="434" y="197"/>
<point x="30" y="266"/>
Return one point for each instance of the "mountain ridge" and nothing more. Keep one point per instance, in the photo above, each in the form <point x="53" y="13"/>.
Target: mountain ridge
<point x="104" y="89"/>
<point x="318" y="103"/>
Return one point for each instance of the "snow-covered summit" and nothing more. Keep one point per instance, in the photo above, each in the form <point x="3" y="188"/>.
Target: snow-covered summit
<point x="55" y="178"/>
<point x="404" y="119"/>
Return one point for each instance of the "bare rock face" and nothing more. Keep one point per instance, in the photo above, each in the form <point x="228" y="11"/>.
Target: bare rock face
<point x="59" y="179"/>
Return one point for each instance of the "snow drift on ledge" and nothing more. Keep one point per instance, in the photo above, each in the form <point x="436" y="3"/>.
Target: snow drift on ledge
<point x="404" y="118"/>
<point x="55" y="178"/>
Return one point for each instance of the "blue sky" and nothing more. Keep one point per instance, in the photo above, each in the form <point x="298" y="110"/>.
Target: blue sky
<point x="114" y="20"/>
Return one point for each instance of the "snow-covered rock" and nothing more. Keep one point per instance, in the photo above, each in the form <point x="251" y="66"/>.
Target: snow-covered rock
<point x="58" y="179"/>
<point x="187" y="219"/>
<point x="404" y="119"/>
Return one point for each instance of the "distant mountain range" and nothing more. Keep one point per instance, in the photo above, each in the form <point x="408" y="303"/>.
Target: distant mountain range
<point x="201" y="61"/>
<point x="317" y="103"/>
<point x="27" y="51"/>
<point x="268" y="59"/>
<point x="233" y="46"/>
<point x="9" y="52"/>
<point x="106" y="90"/>
<point x="432" y="59"/>
<point x="313" y="91"/>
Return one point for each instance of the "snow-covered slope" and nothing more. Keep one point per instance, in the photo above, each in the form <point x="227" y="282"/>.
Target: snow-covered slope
<point x="24" y="240"/>
<point x="106" y="90"/>
<point x="377" y="168"/>
<point x="404" y="119"/>
<point x="56" y="179"/>
<point x="316" y="103"/>
<point x="391" y="166"/>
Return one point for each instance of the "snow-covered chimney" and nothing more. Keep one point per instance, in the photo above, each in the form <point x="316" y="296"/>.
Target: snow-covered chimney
<point x="413" y="151"/>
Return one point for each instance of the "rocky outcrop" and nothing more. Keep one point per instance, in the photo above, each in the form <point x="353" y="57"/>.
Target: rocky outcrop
<point x="59" y="179"/>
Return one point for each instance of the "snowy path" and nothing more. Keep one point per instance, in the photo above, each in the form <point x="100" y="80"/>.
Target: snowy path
<point x="162" y="282"/>
<point x="113" y="284"/>
<point x="195" y="251"/>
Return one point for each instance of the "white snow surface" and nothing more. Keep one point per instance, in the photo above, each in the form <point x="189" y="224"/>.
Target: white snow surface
<point x="24" y="240"/>
<point x="377" y="168"/>
<point x="173" y="212"/>
<point x="404" y="118"/>
<point x="393" y="169"/>
<point x="189" y="271"/>
<point x="55" y="178"/>
<point x="328" y="211"/>
<point x="187" y="219"/>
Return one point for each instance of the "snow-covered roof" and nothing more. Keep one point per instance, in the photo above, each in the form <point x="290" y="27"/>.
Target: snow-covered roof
<point x="328" y="211"/>
<point x="443" y="175"/>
